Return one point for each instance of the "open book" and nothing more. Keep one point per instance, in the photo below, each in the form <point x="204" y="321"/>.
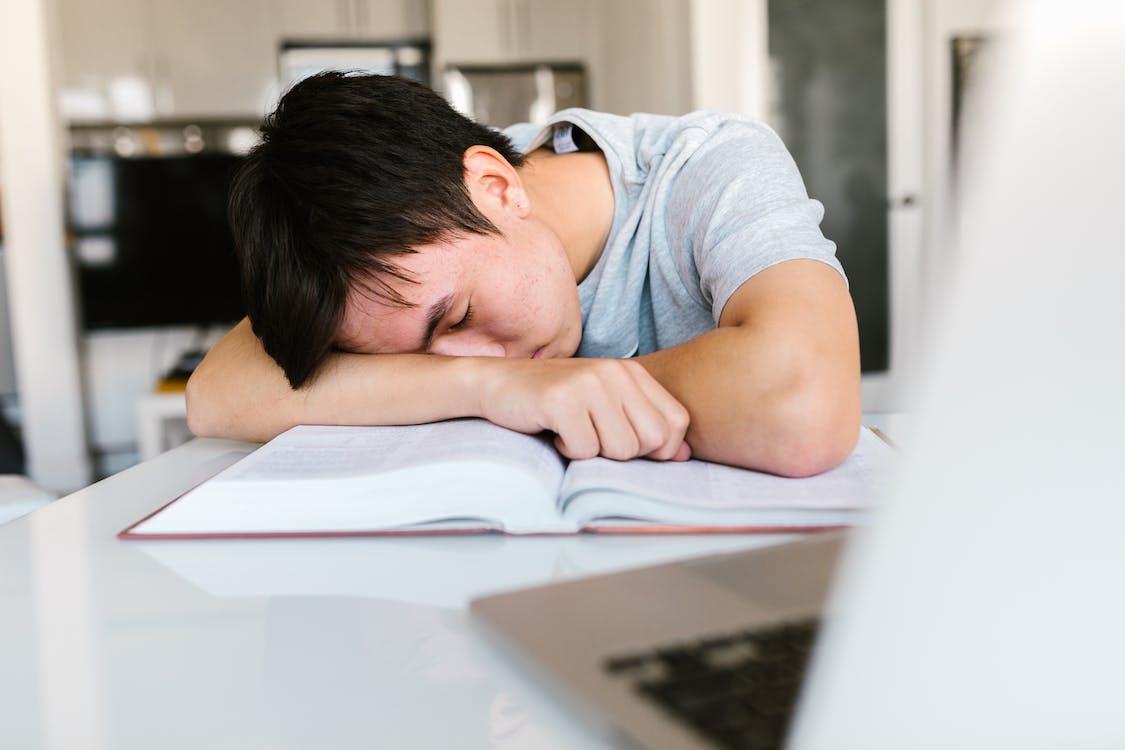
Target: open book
<point x="470" y="476"/>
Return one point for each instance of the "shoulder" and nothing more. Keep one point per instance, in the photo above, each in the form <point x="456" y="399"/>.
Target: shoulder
<point x="731" y="142"/>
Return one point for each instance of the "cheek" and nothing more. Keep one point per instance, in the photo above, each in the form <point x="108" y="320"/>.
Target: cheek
<point x="532" y="290"/>
<point x="540" y="296"/>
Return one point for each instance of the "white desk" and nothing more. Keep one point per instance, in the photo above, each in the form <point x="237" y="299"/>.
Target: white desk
<point x="271" y="644"/>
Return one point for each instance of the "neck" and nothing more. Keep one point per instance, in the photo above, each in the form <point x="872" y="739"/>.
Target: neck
<point x="573" y="195"/>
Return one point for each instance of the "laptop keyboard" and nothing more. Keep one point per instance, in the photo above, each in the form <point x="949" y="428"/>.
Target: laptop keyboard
<point x="737" y="690"/>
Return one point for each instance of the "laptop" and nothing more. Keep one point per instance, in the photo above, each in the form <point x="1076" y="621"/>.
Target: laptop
<point x="981" y="605"/>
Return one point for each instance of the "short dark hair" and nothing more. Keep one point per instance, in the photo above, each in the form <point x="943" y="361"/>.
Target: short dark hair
<point x="351" y="171"/>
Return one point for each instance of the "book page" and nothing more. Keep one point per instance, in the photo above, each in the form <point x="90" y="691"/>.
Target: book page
<point x="318" y="479"/>
<point x="312" y="451"/>
<point x="698" y="491"/>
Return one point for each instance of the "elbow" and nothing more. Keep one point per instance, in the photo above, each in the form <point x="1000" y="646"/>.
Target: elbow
<point x="217" y="408"/>
<point x="814" y="453"/>
<point x="201" y="411"/>
<point x="211" y="408"/>
<point x="819" y="431"/>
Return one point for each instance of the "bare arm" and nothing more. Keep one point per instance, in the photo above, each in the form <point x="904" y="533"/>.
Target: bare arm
<point x="610" y="407"/>
<point x="777" y="386"/>
<point x="240" y="392"/>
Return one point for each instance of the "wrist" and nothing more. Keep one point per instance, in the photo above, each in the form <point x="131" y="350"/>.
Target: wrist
<point x="472" y="378"/>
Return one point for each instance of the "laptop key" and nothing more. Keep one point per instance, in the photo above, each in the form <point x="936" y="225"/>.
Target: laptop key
<point x="737" y="690"/>
<point x="624" y="663"/>
<point x="680" y="661"/>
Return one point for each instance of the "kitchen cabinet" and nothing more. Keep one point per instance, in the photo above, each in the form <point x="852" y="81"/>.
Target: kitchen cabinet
<point x="559" y="31"/>
<point x="513" y="31"/>
<point x="136" y="60"/>
<point x="636" y="52"/>
<point x="321" y="20"/>
<point x="313" y="19"/>
<point x="391" y="19"/>
<point x="96" y="64"/>
<point x="213" y="57"/>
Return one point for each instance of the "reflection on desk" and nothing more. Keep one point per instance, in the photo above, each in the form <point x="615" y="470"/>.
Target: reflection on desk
<point x="436" y="572"/>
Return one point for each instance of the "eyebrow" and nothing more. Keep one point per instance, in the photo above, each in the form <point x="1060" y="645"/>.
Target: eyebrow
<point x="433" y="317"/>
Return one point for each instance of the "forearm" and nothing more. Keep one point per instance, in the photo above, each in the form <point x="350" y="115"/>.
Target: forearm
<point x="239" y="392"/>
<point x="757" y="400"/>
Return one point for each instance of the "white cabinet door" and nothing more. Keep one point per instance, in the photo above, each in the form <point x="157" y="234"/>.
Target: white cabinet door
<point x="507" y="31"/>
<point x="214" y="58"/>
<point x="557" y="31"/>
<point x="140" y="59"/>
<point x="328" y="20"/>
<point x="390" y="19"/>
<point x="313" y="20"/>
<point x="473" y="31"/>
<point x="105" y="62"/>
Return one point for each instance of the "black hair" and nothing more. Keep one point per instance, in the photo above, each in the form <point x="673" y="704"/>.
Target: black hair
<point x="351" y="171"/>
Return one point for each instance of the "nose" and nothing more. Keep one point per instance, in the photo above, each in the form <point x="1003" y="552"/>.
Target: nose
<point x="466" y="346"/>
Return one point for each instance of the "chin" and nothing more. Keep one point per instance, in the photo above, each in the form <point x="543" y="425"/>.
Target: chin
<point x="563" y="345"/>
<point x="570" y="349"/>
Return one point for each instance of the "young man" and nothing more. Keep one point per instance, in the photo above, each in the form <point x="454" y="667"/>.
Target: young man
<point x="639" y="286"/>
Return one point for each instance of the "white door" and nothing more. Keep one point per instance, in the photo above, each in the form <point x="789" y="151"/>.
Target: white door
<point x="841" y="81"/>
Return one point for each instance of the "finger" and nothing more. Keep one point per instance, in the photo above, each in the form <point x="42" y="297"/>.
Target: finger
<point x="683" y="454"/>
<point x="649" y="425"/>
<point x="576" y="437"/>
<point x="674" y="413"/>
<point x="615" y="431"/>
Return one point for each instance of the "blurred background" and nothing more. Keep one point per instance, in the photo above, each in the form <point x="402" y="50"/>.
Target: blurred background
<point x="122" y="120"/>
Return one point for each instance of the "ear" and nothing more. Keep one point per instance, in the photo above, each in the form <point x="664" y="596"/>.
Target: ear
<point x="492" y="181"/>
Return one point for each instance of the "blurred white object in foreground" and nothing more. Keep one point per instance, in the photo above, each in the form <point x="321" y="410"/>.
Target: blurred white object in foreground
<point x="1008" y="529"/>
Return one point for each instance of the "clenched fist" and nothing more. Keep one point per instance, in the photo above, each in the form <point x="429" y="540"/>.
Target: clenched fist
<point x="607" y="407"/>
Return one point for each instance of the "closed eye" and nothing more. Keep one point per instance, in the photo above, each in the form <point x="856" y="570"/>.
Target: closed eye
<point x="464" y="320"/>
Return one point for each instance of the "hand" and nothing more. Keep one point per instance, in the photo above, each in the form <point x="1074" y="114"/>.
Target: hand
<point x="608" y="407"/>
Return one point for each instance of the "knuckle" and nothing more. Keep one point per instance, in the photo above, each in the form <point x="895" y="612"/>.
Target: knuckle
<point x="651" y="438"/>
<point x="583" y="450"/>
<point x="623" y="450"/>
<point x="577" y="444"/>
<point x="679" y="419"/>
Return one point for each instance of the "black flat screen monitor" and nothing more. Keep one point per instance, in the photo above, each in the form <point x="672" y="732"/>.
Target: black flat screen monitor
<point x="151" y="241"/>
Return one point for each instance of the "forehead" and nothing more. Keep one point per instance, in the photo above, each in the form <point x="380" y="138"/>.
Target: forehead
<point x="376" y="325"/>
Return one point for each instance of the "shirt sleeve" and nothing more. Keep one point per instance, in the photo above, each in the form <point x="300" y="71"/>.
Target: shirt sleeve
<point x="738" y="206"/>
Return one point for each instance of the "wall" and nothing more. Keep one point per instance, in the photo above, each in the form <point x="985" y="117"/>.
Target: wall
<point x="730" y="56"/>
<point x="40" y="296"/>
<point x="7" y="357"/>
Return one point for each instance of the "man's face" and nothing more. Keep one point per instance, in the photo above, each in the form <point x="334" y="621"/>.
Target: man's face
<point x="486" y="296"/>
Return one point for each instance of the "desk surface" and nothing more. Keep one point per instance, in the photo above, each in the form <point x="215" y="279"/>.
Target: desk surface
<point x="272" y="644"/>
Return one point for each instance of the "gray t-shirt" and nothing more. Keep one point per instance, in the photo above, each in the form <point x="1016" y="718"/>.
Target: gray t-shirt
<point x="702" y="203"/>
